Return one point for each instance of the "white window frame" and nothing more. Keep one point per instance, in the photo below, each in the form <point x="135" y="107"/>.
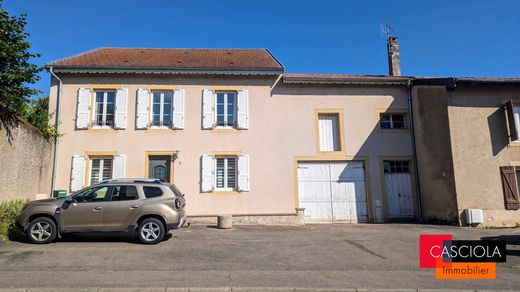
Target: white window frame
<point x="96" y="104"/>
<point x="392" y="121"/>
<point x="161" y="110"/>
<point x="226" y="159"/>
<point x="226" y="110"/>
<point x="101" y="167"/>
<point x="516" y="116"/>
<point x="336" y="135"/>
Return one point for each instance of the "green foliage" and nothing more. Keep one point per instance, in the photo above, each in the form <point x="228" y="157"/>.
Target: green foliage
<point x="8" y="212"/>
<point x="16" y="70"/>
<point x="38" y="115"/>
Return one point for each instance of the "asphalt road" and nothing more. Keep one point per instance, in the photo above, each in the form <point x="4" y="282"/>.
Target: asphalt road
<point x="314" y="256"/>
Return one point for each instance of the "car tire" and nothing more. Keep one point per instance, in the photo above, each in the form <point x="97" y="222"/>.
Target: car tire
<point x="42" y="230"/>
<point x="151" y="231"/>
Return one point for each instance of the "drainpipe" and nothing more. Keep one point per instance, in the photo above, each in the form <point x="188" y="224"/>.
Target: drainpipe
<point x="57" y="126"/>
<point x="409" y="86"/>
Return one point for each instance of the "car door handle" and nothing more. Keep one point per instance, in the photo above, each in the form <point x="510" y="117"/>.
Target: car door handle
<point x="98" y="208"/>
<point x="134" y="206"/>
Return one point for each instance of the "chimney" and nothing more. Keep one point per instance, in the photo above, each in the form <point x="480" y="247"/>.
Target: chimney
<point x="394" y="67"/>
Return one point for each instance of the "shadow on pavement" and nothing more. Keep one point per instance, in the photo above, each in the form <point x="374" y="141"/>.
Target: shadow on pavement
<point x="510" y="240"/>
<point x="90" y="237"/>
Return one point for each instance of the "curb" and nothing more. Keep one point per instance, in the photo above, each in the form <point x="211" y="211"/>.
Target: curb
<point x="225" y="289"/>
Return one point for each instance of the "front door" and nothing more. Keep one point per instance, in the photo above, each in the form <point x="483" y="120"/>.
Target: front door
<point x="399" y="196"/>
<point x="86" y="209"/>
<point x="159" y="167"/>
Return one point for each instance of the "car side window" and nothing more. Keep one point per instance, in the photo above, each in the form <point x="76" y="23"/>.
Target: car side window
<point x="91" y="195"/>
<point x="152" y="192"/>
<point x="124" y="193"/>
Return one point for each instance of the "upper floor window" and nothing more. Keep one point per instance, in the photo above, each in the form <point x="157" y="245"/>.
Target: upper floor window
<point x="393" y="121"/>
<point x="100" y="169"/>
<point x="226" y="109"/>
<point x="104" y="109"/>
<point x="329" y="133"/>
<point x="162" y="105"/>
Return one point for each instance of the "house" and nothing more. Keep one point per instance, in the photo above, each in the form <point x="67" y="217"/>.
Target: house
<point x="468" y="152"/>
<point x="237" y="134"/>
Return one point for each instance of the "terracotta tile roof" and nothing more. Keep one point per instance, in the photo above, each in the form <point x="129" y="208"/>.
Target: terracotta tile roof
<point x="150" y="58"/>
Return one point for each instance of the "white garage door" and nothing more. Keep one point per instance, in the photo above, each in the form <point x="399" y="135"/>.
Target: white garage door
<point x="332" y="191"/>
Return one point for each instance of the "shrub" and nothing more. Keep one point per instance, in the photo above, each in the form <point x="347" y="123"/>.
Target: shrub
<point x="8" y="212"/>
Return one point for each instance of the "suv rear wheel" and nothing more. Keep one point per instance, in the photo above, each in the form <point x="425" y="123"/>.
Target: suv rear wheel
<point x="41" y="230"/>
<point x="151" y="231"/>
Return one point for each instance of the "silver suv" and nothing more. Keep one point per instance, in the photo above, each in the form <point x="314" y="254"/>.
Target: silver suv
<point x="148" y="207"/>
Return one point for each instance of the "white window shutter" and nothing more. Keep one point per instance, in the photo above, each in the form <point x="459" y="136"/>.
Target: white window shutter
<point x="118" y="170"/>
<point x="178" y="109"/>
<point x="141" y="117"/>
<point x="243" y="173"/>
<point x="121" y="107"/>
<point x="83" y="110"/>
<point x="78" y="173"/>
<point x="243" y="109"/>
<point x="206" y="184"/>
<point x="208" y="108"/>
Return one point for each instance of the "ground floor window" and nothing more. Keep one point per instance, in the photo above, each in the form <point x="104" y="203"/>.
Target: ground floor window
<point x="100" y="169"/>
<point x="225" y="173"/>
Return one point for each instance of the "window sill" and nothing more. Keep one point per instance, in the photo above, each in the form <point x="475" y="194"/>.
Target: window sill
<point x="159" y="130"/>
<point x="405" y="130"/>
<point x="223" y="193"/>
<point x="101" y="129"/>
<point x="514" y="144"/>
<point x="225" y="130"/>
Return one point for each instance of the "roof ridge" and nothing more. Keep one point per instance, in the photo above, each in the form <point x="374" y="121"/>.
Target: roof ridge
<point x="156" y="48"/>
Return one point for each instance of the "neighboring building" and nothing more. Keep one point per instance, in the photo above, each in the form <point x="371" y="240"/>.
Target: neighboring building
<point x="468" y="150"/>
<point x="237" y="134"/>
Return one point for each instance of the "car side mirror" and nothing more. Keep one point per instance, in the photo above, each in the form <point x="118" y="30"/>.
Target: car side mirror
<point x="67" y="202"/>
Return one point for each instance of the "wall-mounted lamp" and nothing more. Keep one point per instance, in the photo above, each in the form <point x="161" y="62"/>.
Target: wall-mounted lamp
<point x="177" y="154"/>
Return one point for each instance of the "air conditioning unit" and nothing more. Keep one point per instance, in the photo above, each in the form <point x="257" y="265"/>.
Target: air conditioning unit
<point x="474" y="216"/>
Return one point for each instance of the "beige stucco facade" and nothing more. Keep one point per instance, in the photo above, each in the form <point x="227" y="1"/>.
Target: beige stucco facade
<point x="282" y="131"/>
<point x="462" y="140"/>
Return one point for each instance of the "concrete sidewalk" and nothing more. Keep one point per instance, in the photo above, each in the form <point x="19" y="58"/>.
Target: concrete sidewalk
<point x="375" y="256"/>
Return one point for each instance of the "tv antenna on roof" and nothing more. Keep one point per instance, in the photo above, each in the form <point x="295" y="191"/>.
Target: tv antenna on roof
<point x="386" y="30"/>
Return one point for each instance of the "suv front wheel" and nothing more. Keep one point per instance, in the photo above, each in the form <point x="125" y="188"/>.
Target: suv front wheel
<point x="41" y="230"/>
<point x="151" y="231"/>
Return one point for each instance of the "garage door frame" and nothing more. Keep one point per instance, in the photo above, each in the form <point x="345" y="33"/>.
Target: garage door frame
<point x="363" y="159"/>
<point x="384" y="192"/>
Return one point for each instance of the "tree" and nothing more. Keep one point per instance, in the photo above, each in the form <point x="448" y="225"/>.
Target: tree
<point x="38" y="115"/>
<point x="16" y="70"/>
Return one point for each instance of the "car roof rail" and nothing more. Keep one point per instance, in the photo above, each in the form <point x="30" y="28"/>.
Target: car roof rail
<point x="134" y="180"/>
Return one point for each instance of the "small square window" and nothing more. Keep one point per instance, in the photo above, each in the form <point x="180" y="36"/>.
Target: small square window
<point x="392" y="121"/>
<point x="392" y="166"/>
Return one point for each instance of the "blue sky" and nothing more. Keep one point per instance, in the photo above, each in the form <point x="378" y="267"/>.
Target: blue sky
<point x="437" y="38"/>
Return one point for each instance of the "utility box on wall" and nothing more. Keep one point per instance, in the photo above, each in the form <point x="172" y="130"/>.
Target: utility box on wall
<point x="474" y="216"/>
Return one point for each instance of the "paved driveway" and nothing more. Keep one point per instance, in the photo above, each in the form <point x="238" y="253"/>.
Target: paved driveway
<point x="327" y="256"/>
